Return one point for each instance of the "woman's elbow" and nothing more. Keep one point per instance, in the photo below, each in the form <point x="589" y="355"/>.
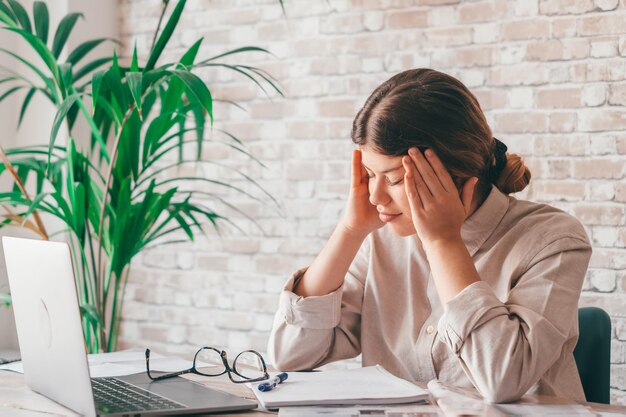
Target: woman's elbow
<point x="283" y="359"/>
<point x="502" y="394"/>
<point x="277" y="359"/>
<point x="280" y="364"/>
<point x="502" y="387"/>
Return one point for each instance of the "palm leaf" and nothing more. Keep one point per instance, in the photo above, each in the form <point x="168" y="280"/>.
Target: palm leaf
<point x="63" y="32"/>
<point x="96" y="83"/>
<point x="266" y="76"/>
<point x="190" y="56"/>
<point x="35" y="204"/>
<point x="66" y="76"/>
<point x="42" y="50"/>
<point x="207" y="180"/>
<point x="25" y="104"/>
<point x="47" y="81"/>
<point x="90" y="67"/>
<point x="92" y="315"/>
<point x="134" y="65"/>
<point x="7" y="16"/>
<point x="173" y="96"/>
<point x="198" y="89"/>
<point x="127" y="163"/>
<point x="134" y="81"/>
<point x="225" y="203"/>
<point x="59" y="118"/>
<point x="165" y="36"/>
<point x="23" y="222"/>
<point x="42" y="20"/>
<point x="21" y="14"/>
<point x="11" y="91"/>
<point x="83" y="49"/>
<point x="193" y="161"/>
<point x="240" y="69"/>
<point x="236" y="51"/>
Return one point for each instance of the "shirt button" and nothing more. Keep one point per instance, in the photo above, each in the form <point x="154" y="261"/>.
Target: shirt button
<point x="430" y="329"/>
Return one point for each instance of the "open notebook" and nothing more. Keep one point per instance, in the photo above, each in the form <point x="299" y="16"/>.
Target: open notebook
<point x="369" y="385"/>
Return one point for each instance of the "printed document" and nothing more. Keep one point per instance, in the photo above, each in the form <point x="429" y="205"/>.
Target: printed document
<point x="368" y="385"/>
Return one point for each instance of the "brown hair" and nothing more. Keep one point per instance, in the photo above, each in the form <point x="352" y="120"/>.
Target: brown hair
<point x="426" y="108"/>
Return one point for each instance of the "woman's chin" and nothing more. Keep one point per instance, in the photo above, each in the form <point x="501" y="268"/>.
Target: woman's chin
<point x="401" y="229"/>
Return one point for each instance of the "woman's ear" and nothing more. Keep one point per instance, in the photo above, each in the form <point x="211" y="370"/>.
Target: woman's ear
<point x="467" y="193"/>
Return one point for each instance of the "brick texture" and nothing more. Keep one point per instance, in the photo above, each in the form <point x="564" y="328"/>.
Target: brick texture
<point x="550" y="75"/>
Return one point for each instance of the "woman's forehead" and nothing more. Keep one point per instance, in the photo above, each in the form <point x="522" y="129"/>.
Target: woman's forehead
<point x="379" y="162"/>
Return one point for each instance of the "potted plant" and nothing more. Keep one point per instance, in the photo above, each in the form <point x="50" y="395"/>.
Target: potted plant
<point x="109" y="190"/>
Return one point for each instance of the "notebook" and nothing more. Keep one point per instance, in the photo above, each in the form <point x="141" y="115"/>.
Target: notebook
<point x="368" y="385"/>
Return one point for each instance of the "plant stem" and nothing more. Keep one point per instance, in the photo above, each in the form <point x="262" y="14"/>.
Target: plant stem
<point x="108" y="183"/>
<point x="92" y="126"/>
<point x="113" y="160"/>
<point x="112" y="342"/>
<point x="22" y="187"/>
<point x="107" y="280"/>
<point x="156" y="32"/>
<point x="95" y="271"/>
<point x="118" y="316"/>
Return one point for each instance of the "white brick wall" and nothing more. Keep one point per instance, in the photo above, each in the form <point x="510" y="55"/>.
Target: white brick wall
<point x="550" y="74"/>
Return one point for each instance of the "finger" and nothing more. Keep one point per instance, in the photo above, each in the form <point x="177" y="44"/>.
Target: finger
<point x="359" y="175"/>
<point x="440" y="170"/>
<point x="467" y="193"/>
<point x="409" y="185"/>
<point x="421" y="186"/>
<point x="427" y="172"/>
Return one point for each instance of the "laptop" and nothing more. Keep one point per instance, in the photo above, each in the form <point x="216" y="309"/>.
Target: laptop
<point x="53" y="352"/>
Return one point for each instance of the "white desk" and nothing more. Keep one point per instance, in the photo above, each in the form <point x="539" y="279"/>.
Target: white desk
<point x="17" y="400"/>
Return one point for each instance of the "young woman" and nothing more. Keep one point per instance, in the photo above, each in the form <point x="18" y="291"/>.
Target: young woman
<point x="434" y="271"/>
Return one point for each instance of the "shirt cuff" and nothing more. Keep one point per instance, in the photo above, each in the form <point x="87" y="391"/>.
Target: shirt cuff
<point x="464" y="311"/>
<point x="314" y="312"/>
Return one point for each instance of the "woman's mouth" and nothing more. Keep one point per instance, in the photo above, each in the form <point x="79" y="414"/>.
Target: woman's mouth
<point x="388" y="217"/>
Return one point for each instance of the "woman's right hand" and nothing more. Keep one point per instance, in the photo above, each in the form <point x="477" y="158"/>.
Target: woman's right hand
<point x="360" y="217"/>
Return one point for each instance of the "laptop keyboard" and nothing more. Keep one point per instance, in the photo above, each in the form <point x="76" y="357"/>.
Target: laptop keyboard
<point x="113" y="395"/>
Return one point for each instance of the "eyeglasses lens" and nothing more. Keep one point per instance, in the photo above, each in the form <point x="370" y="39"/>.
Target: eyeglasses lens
<point x="249" y="365"/>
<point x="209" y="362"/>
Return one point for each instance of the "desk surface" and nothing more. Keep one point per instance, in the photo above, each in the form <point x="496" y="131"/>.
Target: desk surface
<point x="17" y="400"/>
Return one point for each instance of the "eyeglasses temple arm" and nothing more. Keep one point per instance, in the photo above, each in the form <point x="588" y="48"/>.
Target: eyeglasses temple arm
<point x="186" y="371"/>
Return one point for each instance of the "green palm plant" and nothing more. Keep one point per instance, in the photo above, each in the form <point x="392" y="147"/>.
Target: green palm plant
<point x="112" y="194"/>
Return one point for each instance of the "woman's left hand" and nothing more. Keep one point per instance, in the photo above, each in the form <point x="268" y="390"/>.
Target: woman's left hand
<point x="437" y="209"/>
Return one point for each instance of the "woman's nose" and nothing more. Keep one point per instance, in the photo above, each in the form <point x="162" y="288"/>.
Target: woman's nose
<point x="378" y="194"/>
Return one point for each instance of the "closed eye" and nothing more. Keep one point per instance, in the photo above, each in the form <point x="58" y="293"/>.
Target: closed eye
<point x="390" y="182"/>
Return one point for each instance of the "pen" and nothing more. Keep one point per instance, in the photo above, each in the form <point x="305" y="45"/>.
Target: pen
<point x="271" y="384"/>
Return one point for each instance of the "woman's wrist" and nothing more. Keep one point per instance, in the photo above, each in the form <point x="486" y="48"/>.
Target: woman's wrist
<point x="443" y="244"/>
<point x="329" y="268"/>
<point x="452" y="266"/>
<point x="351" y="232"/>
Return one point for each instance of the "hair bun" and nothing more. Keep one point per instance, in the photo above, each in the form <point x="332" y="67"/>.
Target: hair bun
<point x="515" y="176"/>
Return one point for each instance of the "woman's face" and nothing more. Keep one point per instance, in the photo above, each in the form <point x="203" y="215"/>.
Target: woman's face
<point x="387" y="193"/>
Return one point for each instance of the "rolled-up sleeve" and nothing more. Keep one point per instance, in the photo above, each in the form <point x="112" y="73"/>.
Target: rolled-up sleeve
<point x="309" y="332"/>
<point x="506" y="347"/>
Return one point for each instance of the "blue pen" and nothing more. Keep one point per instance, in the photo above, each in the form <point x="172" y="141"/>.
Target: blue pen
<point x="271" y="384"/>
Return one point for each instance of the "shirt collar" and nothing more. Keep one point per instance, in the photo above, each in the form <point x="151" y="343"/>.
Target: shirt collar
<point x="481" y="224"/>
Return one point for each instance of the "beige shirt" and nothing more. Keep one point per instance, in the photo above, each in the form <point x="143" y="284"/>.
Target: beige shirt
<point x="510" y="333"/>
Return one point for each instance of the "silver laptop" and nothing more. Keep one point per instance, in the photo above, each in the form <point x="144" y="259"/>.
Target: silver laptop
<point x="52" y="346"/>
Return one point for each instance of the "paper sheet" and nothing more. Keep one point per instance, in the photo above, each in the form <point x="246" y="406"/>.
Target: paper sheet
<point x="367" y="385"/>
<point x="460" y="401"/>
<point x="122" y="363"/>
<point x="357" y="411"/>
<point x="551" y="410"/>
<point x="361" y="411"/>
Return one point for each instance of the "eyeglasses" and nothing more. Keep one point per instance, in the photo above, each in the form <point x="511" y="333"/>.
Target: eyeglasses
<point x="248" y="366"/>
